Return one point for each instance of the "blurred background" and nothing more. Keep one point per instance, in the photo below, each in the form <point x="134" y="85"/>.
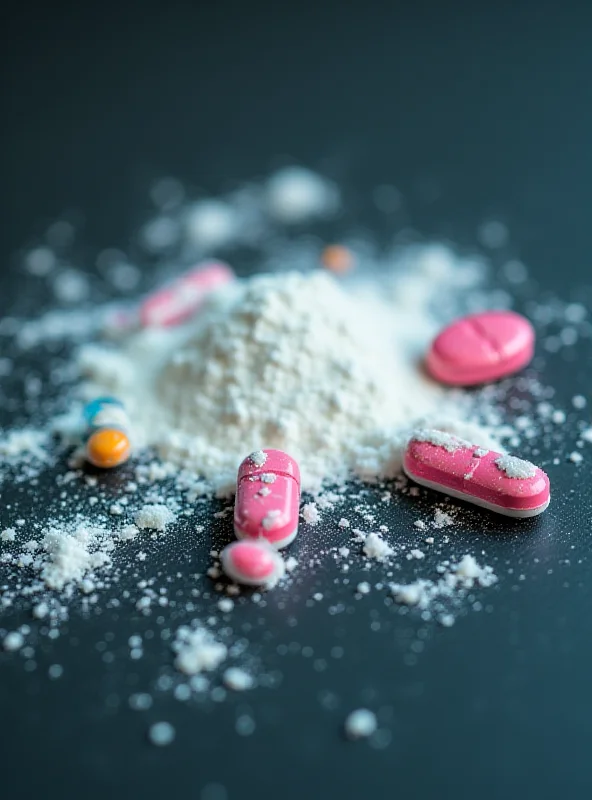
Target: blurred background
<point x="472" y="110"/>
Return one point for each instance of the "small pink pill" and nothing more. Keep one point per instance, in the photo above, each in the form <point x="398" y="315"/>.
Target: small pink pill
<point x="252" y="563"/>
<point x="448" y="464"/>
<point x="480" y="348"/>
<point x="267" y="498"/>
<point x="177" y="302"/>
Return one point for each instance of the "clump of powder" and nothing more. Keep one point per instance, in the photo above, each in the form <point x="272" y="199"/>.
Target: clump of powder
<point x="294" y="360"/>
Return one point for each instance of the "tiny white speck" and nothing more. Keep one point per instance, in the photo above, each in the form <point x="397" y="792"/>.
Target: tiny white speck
<point x="161" y="734"/>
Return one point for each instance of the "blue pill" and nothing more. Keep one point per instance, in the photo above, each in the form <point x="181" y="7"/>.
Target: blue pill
<point x="96" y="406"/>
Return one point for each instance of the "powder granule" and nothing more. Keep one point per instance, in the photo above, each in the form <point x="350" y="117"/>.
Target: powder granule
<point x="154" y="517"/>
<point x="360" y="724"/>
<point x="197" y="650"/>
<point x="13" y="641"/>
<point x="376" y="548"/>
<point x="310" y="514"/>
<point x="237" y="679"/>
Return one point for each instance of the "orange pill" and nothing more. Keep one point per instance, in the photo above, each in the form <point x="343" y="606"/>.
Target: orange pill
<point x="108" y="447"/>
<point x="337" y="258"/>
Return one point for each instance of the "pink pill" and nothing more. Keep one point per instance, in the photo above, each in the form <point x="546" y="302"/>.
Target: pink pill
<point x="177" y="302"/>
<point x="480" y="348"/>
<point x="267" y="498"/>
<point x="253" y="563"/>
<point x="454" y="466"/>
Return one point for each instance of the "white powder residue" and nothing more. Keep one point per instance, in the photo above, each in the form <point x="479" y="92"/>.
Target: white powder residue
<point x="516" y="467"/>
<point x="237" y="679"/>
<point x="360" y="724"/>
<point x="438" y="438"/>
<point x="310" y="514"/>
<point x="27" y="441"/>
<point x="13" y="641"/>
<point x="376" y="548"/>
<point x="454" y="578"/>
<point x="197" y="650"/>
<point x="154" y="517"/>
<point x="258" y="458"/>
<point x="161" y="734"/>
<point x="71" y="555"/>
<point x="575" y="457"/>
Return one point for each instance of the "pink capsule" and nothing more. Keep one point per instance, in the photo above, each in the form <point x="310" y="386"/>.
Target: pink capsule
<point x="252" y="563"/>
<point x="480" y="348"/>
<point x="457" y="468"/>
<point x="267" y="498"/>
<point x="178" y="301"/>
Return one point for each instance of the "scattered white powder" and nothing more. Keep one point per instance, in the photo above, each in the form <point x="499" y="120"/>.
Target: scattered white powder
<point x="360" y="724"/>
<point x="442" y="519"/>
<point x="576" y="458"/>
<point x="375" y="547"/>
<point x="161" y="734"/>
<point x="13" y="641"/>
<point x="296" y="194"/>
<point x="154" y="517"/>
<point x="237" y="679"/>
<point x="516" y="467"/>
<point x="454" y="577"/>
<point x="225" y="605"/>
<point x="310" y="514"/>
<point x="27" y="441"/>
<point x="197" y="650"/>
<point x="72" y="554"/>
<point x="343" y="523"/>
<point x="8" y="535"/>
<point x="210" y="224"/>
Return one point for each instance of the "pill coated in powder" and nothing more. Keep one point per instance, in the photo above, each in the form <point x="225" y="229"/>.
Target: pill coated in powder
<point x="267" y="498"/>
<point x="480" y="348"/>
<point x="252" y="563"/>
<point x="177" y="302"/>
<point x="454" y="466"/>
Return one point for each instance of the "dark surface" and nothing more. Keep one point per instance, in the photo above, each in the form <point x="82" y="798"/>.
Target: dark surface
<point x="492" y="107"/>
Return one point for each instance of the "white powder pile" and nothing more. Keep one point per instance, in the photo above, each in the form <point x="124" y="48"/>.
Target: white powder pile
<point x="291" y="361"/>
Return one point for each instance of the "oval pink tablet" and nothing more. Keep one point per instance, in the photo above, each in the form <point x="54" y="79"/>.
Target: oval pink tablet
<point x="458" y="468"/>
<point x="267" y="498"/>
<point x="253" y="563"/>
<point x="480" y="348"/>
<point x="177" y="302"/>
